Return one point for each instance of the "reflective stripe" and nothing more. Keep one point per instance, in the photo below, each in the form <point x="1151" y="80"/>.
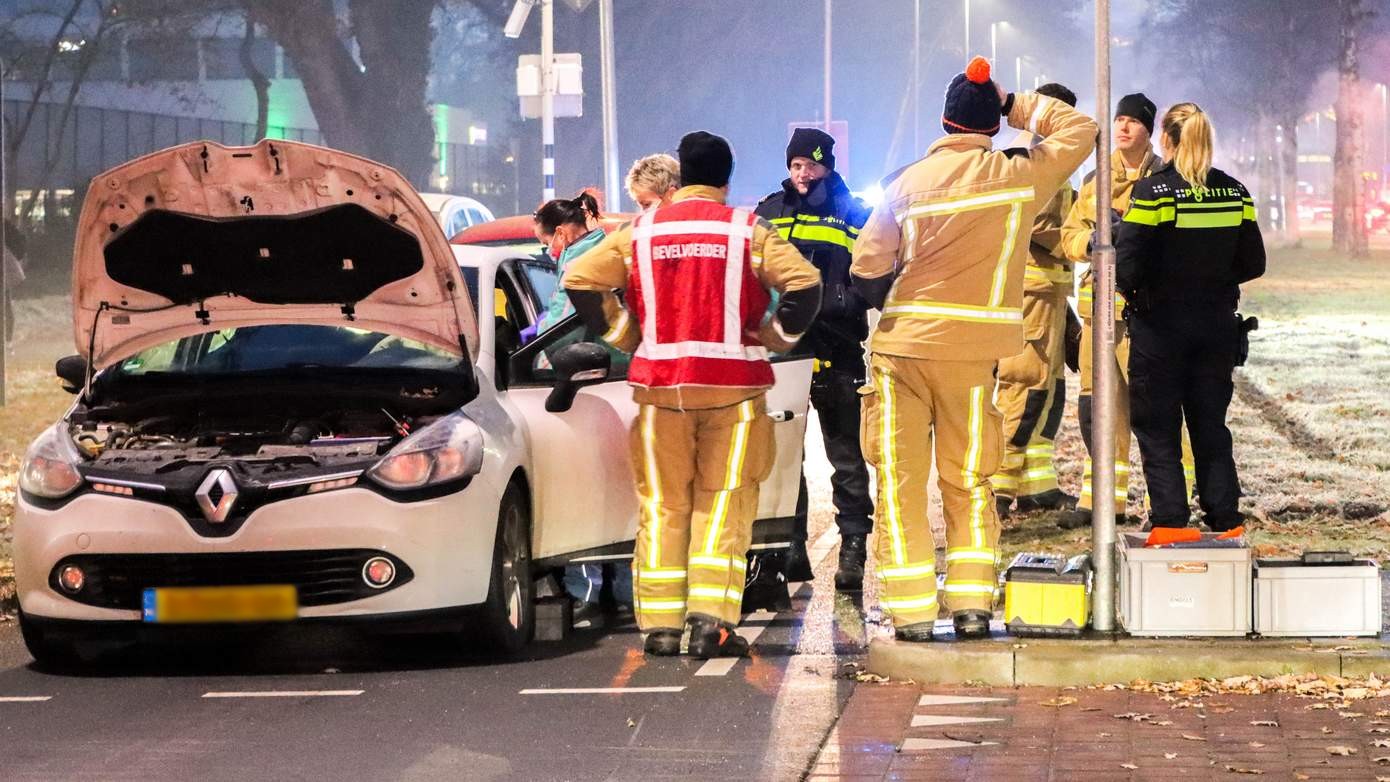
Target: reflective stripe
<point x="985" y="556"/>
<point x="970" y="472"/>
<point x="966" y="203"/>
<point x="888" y="475"/>
<point x="1144" y="203"/>
<point x="716" y="593"/>
<point x="653" y="506"/>
<point x="1140" y="215"/>
<point x="646" y="229"/>
<point x="964" y="312"/>
<point x="1001" y="267"/>
<point x="619" y="326"/>
<point x="821" y="233"/>
<point x="669" y="351"/>
<point x="908" y="603"/>
<point x="738" y="448"/>
<point x="661" y="574"/>
<point x="721" y="563"/>
<point x="969" y="588"/>
<point x="1208" y="220"/>
<point x="1039" y="472"/>
<point x="659" y="606"/>
<point x="925" y="570"/>
<point x="1057" y="276"/>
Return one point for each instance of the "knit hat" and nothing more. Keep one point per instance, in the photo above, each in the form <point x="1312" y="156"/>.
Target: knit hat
<point x="1138" y="106"/>
<point x="812" y="144"/>
<point x="972" y="103"/>
<point x="706" y="159"/>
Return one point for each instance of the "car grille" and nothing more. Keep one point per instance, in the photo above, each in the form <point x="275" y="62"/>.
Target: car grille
<point x="320" y="577"/>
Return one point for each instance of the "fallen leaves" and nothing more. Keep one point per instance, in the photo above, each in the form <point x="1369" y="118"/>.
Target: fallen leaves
<point x="1256" y="745"/>
<point x="1191" y="737"/>
<point x="1129" y="766"/>
<point x="1059" y="702"/>
<point x="1339" y="689"/>
<point x="1382" y="743"/>
<point x="1341" y="750"/>
<point x="1243" y="770"/>
<point x="1265" y="723"/>
<point x="1170" y="755"/>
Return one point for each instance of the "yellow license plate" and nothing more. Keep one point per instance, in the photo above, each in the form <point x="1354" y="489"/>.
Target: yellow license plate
<point x="261" y="603"/>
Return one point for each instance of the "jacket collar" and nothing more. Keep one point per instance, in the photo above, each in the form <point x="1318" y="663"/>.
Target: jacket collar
<point x="824" y="197"/>
<point x="961" y="141"/>
<point x="1150" y="165"/>
<point x="699" y="191"/>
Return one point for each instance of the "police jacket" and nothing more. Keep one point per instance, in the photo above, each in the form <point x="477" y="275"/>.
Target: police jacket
<point x="823" y="225"/>
<point x="1187" y="250"/>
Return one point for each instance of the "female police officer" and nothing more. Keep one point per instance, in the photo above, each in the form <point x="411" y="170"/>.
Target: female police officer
<point x="1187" y="242"/>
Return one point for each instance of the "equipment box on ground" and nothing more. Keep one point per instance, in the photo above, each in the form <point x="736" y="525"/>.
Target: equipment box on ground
<point x="1321" y="594"/>
<point x="1047" y="595"/>
<point x="1197" y="588"/>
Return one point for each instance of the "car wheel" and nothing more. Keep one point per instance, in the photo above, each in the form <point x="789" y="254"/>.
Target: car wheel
<point x="49" y="652"/>
<point x="509" y="615"/>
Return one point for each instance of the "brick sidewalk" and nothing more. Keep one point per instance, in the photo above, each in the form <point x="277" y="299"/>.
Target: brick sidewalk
<point x="1039" y="733"/>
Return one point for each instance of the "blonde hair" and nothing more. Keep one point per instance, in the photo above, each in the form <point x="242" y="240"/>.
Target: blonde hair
<point x="1191" y="137"/>
<point x="657" y="173"/>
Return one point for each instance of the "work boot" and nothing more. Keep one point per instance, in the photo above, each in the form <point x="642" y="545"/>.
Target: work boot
<point x="1002" y="505"/>
<point x="1053" y="499"/>
<point x="798" y="567"/>
<point x="712" y="638"/>
<point x="917" y="633"/>
<point x="662" y="643"/>
<point x="971" y="624"/>
<point x="850" y="576"/>
<point x="1081" y="517"/>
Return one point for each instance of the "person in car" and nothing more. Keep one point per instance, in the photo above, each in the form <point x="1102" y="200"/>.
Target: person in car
<point x="567" y="227"/>
<point x="697" y="277"/>
<point x="652" y="180"/>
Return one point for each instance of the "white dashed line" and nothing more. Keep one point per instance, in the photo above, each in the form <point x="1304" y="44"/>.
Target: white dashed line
<point x="954" y="700"/>
<point x="934" y="720"/>
<point x="25" y="698"/>
<point x="919" y="745"/>
<point x="599" y="690"/>
<point x="285" y="694"/>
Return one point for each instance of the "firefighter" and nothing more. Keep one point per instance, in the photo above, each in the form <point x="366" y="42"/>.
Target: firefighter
<point x="1132" y="160"/>
<point x="943" y="256"/>
<point x="696" y="277"/>
<point x="816" y="212"/>
<point x="653" y="180"/>
<point x="1187" y="243"/>
<point x="1032" y="391"/>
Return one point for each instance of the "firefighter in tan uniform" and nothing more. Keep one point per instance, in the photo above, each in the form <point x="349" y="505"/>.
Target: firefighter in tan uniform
<point x="1032" y="390"/>
<point x="943" y="256"/>
<point x="1132" y="160"/>
<point x="696" y="276"/>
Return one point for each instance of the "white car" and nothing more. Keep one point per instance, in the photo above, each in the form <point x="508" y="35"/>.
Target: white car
<point x="293" y="413"/>
<point x="455" y="213"/>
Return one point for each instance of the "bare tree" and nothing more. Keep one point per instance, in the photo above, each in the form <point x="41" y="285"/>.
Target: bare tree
<point x="259" y="81"/>
<point x="1349" y="230"/>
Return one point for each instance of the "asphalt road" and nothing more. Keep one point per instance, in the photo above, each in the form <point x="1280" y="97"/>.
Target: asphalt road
<point x="320" y="704"/>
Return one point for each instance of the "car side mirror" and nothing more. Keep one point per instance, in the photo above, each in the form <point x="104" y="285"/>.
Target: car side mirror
<point x="576" y="365"/>
<point x="72" y="370"/>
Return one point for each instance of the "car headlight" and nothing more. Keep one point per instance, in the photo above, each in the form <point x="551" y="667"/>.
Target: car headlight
<point x="50" y="465"/>
<point x="447" y="450"/>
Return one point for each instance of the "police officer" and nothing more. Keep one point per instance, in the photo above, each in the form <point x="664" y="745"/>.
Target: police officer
<point x="815" y="211"/>
<point x="1186" y="244"/>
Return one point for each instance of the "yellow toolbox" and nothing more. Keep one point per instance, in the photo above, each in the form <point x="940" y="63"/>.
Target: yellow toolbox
<point x="1046" y="595"/>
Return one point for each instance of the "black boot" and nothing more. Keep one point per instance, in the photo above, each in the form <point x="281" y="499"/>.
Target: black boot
<point x="1002" y="505"/>
<point x="663" y="643"/>
<point x="798" y="567"/>
<point x="917" y="633"/>
<point x="712" y="638"/>
<point x="1075" y="518"/>
<point x="1054" y="499"/>
<point x="850" y="576"/>
<point x="971" y="624"/>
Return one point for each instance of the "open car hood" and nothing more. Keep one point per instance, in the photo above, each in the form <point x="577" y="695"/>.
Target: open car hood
<point x="201" y="236"/>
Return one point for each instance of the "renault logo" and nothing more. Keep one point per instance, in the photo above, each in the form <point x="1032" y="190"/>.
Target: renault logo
<point x="216" y="495"/>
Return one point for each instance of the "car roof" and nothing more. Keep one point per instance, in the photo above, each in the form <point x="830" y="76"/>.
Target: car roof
<point x="518" y="229"/>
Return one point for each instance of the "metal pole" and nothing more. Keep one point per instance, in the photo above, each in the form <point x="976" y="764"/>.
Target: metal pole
<point x="4" y="218"/>
<point x="1384" y="136"/>
<point x="916" y="78"/>
<point x="967" y="29"/>
<point x="1018" y="74"/>
<point x="1103" y="348"/>
<point x="827" y="65"/>
<point x="993" y="43"/>
<point x="612" y="186"/>
<point x="548" y="97"/>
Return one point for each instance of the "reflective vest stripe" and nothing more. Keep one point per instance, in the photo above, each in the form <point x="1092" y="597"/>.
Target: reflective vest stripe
<point x="733" y="471"/>
<point x="1055" y="276"/>
<point x="1001" y="268"/>
<point x="966" y="203"/>
<point x="964" y="312"/>
<point x="646" y="229"/>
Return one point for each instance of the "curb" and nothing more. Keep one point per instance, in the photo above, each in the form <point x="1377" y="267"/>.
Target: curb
<point x="1007" y="661"/>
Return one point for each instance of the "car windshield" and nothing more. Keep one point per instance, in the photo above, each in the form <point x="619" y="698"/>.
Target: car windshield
<point x="272" y="347"/>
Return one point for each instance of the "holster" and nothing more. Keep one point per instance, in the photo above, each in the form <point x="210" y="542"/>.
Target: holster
<point x="1245" y="326"/>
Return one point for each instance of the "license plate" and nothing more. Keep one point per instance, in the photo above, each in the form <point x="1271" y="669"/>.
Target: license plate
<point x="261" y="603"/>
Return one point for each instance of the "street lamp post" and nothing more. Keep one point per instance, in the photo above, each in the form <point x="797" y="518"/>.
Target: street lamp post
<point x="916" y="76"/>
<point x="612" y="186"/>
<point x="827" y="65"/>
<point x="967" y="29"/>
<point x="993" y="42"/>
<point x="1103" y="348"/>
<point x="1018" y="73"/>
<point x="4" y="217"/>
<point x="548" y="97"/>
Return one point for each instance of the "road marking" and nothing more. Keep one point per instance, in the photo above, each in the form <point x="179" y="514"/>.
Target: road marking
<point x="752" y="626"/>
<point x="920" y="745"/>
<point x="954" y="700"/>
<point x="25" y="698"/>
<point x="597" y="690"/>
<point x="933" y="720"/>
<point x="285" y="694"/>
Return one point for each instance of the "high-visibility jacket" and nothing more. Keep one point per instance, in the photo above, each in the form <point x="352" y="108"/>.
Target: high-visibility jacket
<point x="1081" y="222"/>
<point x="696" y="276"/>
<point x="943" y="253"/>
<point x="1047" y="271"/>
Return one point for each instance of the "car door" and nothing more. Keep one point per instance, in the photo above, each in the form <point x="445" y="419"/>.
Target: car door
<point x="582" y="480"/>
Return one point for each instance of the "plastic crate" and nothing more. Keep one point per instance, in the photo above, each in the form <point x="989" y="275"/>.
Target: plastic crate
<point x="1202" y="588"/>
<point x="1321" y="594"/>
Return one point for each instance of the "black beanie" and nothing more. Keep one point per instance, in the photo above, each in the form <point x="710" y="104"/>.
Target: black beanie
<point x="706" y="159"/>
<point x="813" y="144"/>
<point x="1139" y="107"/>
<point x="972" y="104"/>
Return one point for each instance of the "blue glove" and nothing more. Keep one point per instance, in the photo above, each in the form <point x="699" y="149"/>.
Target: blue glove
<point x="529" y="333"/>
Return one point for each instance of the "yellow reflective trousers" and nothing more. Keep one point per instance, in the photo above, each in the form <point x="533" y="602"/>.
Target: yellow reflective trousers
<point x="1031" y="395"/>
<point x="697" y="475"/>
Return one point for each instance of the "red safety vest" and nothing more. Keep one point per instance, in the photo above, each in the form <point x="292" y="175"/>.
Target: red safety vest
<point x="692" y="288"/>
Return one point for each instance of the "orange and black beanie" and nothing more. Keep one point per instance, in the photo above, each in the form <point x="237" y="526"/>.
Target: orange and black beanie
<point x="972" y="104"/>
